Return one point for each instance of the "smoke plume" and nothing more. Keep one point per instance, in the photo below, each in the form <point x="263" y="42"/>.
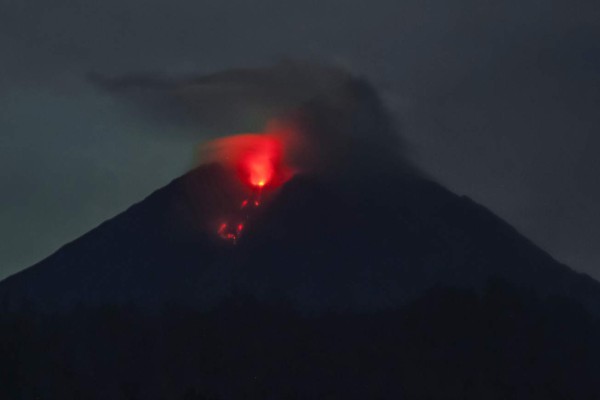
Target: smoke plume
<point x="339" y="123"/>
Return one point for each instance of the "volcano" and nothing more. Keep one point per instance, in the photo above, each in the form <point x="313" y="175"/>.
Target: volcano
<point x="389" y="286"/>
<point x="322" y="246"/>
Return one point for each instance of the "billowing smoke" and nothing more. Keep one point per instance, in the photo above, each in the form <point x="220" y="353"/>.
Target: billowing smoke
<point x="339" y="125"/>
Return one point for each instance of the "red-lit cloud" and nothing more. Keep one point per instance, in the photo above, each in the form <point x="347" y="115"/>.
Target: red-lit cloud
<point x="261" y="160"/>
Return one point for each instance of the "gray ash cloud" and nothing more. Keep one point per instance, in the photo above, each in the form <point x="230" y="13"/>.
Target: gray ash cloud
<point x="339" y="114"/>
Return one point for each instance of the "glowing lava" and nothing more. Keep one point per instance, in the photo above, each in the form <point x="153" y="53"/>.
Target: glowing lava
<point x="232" y="230"/>
<point x="257" y="158"/>
<point x="258" y="161"/>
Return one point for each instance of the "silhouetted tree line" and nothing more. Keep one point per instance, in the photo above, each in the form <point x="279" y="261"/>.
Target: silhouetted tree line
<point x="451" y="344"/>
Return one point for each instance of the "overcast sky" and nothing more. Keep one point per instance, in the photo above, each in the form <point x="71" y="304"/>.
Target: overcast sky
<point x="498" y="101"/>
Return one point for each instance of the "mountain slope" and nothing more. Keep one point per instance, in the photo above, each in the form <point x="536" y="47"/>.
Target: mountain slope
<point x="375" y="243"/>
<point x="382" y="287"/>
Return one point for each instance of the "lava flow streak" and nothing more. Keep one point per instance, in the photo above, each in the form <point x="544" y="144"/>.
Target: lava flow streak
<point x="258" y="161"/>
<point x="232" y="230"/>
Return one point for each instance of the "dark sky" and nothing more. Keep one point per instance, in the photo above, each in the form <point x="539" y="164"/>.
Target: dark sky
<point x="498" y="101"/>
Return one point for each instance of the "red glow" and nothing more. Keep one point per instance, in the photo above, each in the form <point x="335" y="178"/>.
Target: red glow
<point x="227" y="234"/>
<point x="260" y="159"/>
<point x="261" y="162"/>
<point x="223" y="232"/>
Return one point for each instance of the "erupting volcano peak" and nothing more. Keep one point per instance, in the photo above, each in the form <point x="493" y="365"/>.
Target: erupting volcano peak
<point x="259" y="160"/>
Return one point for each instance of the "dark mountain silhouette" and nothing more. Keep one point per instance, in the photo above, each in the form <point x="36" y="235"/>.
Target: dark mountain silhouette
<point x="370" y="244"/>
<point x="380" y="287"/>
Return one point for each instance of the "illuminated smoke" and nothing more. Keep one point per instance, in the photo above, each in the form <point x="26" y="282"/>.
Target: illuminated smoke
<point x="299" y="118"/>
<point x="260" y="161"/>
<point x="339" y="117"/>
